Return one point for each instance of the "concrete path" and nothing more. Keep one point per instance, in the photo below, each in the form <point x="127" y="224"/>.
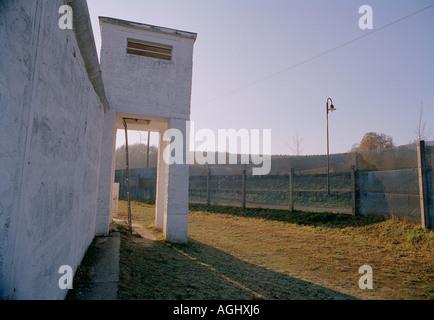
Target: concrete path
<point x="105" y="272"/>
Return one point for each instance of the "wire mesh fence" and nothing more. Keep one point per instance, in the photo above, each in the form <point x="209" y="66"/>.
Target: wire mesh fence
<point x="396" y="181"/>
<point x="235" y="186"/>
<point x="396" y="158"/>
<point x="378" y="182"/>
<point x="142" y="183"/>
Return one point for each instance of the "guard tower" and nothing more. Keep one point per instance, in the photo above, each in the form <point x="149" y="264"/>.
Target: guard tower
<point x="147" y="74"/>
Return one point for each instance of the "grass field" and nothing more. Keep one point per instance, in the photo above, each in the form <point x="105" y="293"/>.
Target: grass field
<point x="272" y="254"/>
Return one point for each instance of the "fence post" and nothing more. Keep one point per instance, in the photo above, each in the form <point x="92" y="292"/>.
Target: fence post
<point x="137" y="190"/>
<point x="128" y="176"/>
<point x="155" y="185"/>
<point x="354" y="190"/>
<point x="121" y="185"/>
<point x="291" y="190"/>
<point x="244" y="188"/>
<point x="208" y="179"/>
<point x="423" y="194"/>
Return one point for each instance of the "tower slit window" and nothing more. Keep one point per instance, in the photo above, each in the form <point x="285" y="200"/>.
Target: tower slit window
<point x="149" y="49"/>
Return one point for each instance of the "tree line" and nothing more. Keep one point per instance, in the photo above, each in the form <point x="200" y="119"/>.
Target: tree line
<point x="137" y="154"/>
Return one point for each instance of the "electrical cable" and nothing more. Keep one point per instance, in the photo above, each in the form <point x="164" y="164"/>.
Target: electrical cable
<point x="315" y="57"/>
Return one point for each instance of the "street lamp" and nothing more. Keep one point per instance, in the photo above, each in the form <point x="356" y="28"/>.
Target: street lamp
<point x="328" y="108"/>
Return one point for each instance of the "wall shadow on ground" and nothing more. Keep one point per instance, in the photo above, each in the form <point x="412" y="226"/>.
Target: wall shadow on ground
<point x="316" y="219"/>
<point x="197" y="271"/>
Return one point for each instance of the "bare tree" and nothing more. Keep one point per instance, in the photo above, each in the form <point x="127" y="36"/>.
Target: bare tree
<point x="422" y="133"/>
<point x="297" y="143"/>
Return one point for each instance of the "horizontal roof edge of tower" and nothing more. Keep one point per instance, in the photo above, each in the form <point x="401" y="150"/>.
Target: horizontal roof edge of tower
<point x="143" y="26"/>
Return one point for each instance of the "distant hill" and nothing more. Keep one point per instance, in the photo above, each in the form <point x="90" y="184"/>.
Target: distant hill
<point x="386" y="159"/>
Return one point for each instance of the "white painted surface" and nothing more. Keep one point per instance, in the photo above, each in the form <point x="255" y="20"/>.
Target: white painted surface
<point x="141" y="85"/>
<point x="57" y="145"/>
<point x="106" y="177"/>
<point x="153" y="89"/>
<point x="50" y="140"/>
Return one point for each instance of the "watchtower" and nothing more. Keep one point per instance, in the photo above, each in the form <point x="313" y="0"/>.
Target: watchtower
<point x="147" y="75"/>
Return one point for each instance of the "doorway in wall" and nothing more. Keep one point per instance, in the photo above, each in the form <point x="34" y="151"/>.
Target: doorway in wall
<point x="135" y="161"/>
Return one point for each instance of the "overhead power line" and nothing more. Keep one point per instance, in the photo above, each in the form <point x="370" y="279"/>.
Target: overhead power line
<point x="316" y="56"/>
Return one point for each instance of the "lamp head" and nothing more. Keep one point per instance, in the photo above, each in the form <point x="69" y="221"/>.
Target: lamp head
<point x="332" y="108"/>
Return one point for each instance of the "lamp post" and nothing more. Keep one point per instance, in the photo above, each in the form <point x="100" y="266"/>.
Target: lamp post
<point x="147" y="147"/>
<point x="328" y="108"/>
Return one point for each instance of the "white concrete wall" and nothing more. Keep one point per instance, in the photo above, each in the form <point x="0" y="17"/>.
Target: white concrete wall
<point x="50" y="138"/>
<point x="142" y="85"/>
<point x="106" y="177"/>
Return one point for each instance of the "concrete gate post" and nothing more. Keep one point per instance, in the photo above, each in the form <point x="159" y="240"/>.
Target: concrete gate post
<point x="176" y="215"/>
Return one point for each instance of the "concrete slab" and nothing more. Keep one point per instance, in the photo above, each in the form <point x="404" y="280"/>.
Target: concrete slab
<point x="105" y="272"/>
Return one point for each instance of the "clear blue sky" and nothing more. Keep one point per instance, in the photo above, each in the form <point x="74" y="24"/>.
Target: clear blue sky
<point x="377" y="83"/>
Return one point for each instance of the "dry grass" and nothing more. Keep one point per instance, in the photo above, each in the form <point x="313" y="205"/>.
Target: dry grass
<point x="271" y="254"/>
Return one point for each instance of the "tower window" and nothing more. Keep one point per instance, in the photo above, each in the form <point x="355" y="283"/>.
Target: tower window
<point x="149" y="49"/>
